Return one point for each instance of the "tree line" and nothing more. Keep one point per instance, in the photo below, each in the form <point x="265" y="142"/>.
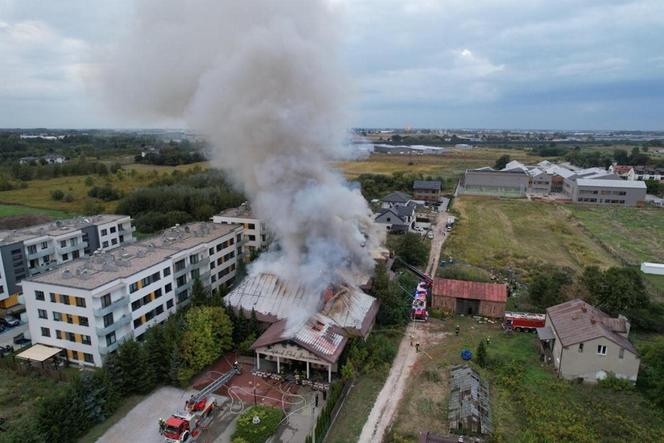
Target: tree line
<point x="376" y="186"/>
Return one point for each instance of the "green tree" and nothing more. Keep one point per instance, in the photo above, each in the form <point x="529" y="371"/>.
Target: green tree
<point x="616" y="290"/>
<point x="412" y="249"/>
<point x="394" y="303"/>
<point x="207" y="335"/>
<point x="481" y="356"/>
<point x="651" y="371"/>
<point x="57" y="194"/>
<point x="655" y="187"/>
<point x="546" y="287"/>
<point x="199" y="295"/>
<point x="502" y="161"/>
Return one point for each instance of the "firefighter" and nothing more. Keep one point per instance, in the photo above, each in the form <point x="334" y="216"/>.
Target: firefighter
<point x="417" y="347"/>
<point x="411" y="339"/>
<point x="488" y="340"/>
<point x="162" y="425"/>
<point x="236" y="366"/>
<point x="457" y="329"/>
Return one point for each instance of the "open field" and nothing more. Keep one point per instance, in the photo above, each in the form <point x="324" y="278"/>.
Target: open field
<point x="38" y="192"/>
<point x="529" y="403"/>
<point x="449" y="165"/>
<point x="10" y="210"/>
<point x="636" y="235"/>
<point x="521" y="234"/>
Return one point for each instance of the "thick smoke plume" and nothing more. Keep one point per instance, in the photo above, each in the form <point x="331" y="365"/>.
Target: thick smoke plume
<point x="260" y="79"/>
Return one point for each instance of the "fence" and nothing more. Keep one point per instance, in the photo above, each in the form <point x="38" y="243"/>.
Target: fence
<point x="335" y="401"/>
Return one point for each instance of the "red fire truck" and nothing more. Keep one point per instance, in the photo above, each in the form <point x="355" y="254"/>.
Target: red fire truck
<point x="523" y="321"/>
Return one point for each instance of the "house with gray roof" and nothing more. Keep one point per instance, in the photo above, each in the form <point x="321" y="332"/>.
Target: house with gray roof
<point x="585" y="343"/>
<point x="396" y="198"/>
<point x="398" y="218"/>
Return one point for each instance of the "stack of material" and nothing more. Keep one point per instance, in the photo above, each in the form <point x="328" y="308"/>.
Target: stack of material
<point x="469" y="408"/>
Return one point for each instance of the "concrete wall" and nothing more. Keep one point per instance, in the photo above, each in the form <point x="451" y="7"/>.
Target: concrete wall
<point x="499" y="182"/>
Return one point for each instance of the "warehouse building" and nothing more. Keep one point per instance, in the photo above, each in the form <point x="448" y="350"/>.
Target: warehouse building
<point x="36" y="249"/>
<point x="469" y="297"/>
<point x="86" y="307"/>
<point x="294" y="338"/>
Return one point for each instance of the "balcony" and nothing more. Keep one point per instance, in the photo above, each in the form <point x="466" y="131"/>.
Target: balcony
<point x="122" y="321"/>
<point x="119" y="303"/>
<point x="105" y="349"/>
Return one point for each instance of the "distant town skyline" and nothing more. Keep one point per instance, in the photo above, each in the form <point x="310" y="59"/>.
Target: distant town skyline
<point x="568" y="65"/>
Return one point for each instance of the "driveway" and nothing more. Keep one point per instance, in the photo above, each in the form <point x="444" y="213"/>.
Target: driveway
<point x="439" y="237"/>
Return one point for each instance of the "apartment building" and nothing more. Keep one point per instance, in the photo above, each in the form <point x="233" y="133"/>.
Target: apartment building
<point x="36" y="249"/>
<point x="255" y="235"/>
<point x="88" y="306"/>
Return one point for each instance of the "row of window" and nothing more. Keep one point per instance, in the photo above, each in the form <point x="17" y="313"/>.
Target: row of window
<point x="136" y="304"/>
<point x="69" y="336"/>
<point x="152" y="314"/>
<point x="114" y="241"/>
<point x="61" y="298"/>
<point x="59" y="316"/>
<point x="601" y="350"/>
<point x="105" y="232"/>
<point x="76" y="355"/>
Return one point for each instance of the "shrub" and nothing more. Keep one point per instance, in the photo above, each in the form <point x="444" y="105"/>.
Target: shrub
<point x="258" y="433"/>
<point x="57" y="194"/>
<point x="615" y="384"/>
<point x="68" y="198"/>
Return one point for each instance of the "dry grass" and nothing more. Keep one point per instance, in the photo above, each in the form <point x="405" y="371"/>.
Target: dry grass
<point x="450" y="164"/>
<point x="521" y="234"/>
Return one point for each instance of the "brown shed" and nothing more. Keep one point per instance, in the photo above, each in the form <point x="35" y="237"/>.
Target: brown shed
<point x="469" y="297"/>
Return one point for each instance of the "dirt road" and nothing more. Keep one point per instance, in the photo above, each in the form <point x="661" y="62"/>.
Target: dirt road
<point x="439" y="236"/>
<point x="386" y="404"/>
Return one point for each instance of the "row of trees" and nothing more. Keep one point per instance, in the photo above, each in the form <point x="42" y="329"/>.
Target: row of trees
<point x="170" y="157"/>
<point x="179" y="198"/>
<point x="378" y="186"/>
<point x="80" y="166"/>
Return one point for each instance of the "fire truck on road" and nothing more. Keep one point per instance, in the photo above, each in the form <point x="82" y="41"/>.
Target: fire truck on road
<point x="523" y="321"/>
<point x="198" y="413"/>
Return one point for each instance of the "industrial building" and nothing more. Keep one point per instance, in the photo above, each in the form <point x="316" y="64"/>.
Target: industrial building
<point x="294" y="337"/>
<point x="469" y="297"/>
<point x="585" y="343"/>
<point x="87" y="306"/>
<point x="255" y="234"/>
<point x="566" y="182"/>
<point x="36" y="249"/>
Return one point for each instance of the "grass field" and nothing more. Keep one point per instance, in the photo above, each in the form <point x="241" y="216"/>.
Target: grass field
<point x="38" y="192"/>
<point x="636" y="235"/>
<point x="528" y="405"/>
<point x="449" y="165"/>
<point x="521" y="234"/>
<point x="9" y="210"/>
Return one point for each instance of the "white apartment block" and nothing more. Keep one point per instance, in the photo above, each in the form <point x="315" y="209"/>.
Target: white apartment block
<point x="36" y="249"/>
<point x="88" y="306"/>
<point x="255" y="235"/>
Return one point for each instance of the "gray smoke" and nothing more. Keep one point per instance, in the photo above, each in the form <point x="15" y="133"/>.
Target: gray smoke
<point x="261" y="80"/>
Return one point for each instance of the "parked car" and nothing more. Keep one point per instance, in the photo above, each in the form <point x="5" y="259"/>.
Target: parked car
<point x="430" y="235"/>
<point x="9" y="322"/>
<point x="6" y="350"/>
<point x="21" y="341"/>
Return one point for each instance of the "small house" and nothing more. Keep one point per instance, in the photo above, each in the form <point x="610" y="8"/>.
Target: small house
<point x="469" y="297"/>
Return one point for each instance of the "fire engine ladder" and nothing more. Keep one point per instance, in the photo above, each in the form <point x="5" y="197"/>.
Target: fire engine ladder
<point x="212" y="387"/>
<point x="414" y="270"/>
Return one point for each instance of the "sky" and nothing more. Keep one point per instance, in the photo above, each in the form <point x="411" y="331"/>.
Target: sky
<point x="530" y="64"/>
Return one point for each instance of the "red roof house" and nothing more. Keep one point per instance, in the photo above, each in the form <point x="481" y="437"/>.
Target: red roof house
<point x="469" y="297"/>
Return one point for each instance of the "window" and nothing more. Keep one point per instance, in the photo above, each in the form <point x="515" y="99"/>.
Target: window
<point x="137" y="304"/>
<point x="104" y="232"/>
<point x="193" y="259"/>
<point x="41" y="313"/>
<point x="181" y="280"/>
<point x="212" y="264"/>
<point x="219" y="247"/>
<point x="70" y="319"/>
<point x="167" y="271"/>
<point x="157" y="293"/>
<point x="80" y="302"/>
<point x="159" y="310"/>
<point x="133" y="287"/>
<point x="44" y="245"/>
<point x="110" y="339"/>
<point x="39" y="295"/>
<point x="75" y="254"/>
<point x="253" y="237"/>
<point x="83" y="321"/>
<point x="138" y="322"/>
<point x="104" y="244"/>
<point x="121" y="238"/>
<point x="58" y="334"/>
<point x="195" y="273"/>
<point x="106" y="300"/>
<point x="180" y="265"/>
<point x="64" y="299"/>
<point x="113" y="229"/>
<point x="149" y="316"/>
<point x="210" y="251"/>
<point x="108" y="319"/>
<point x="146" y="299"/>
<point x="580" y="347"/>
<point x="168" y="288"/>
<point x="57" y="316"/>
<point x="601" y="349"/>
<point x="169" y="304"/>
<point x="70" y="336"/>
<point x="114" y="241"/>
<point x="32" y="249"/>
<point x="73" y="242"/>
<point x="213" y="278"/>
<point x="252" y="226"/>
<point x="63" y="243"/>
<point x="45" y="332"/>
<point x="88" y="358"/>
<point x="621" y="353"/>
<point x="65" y="257"/>
<point x="85" y="339"/>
